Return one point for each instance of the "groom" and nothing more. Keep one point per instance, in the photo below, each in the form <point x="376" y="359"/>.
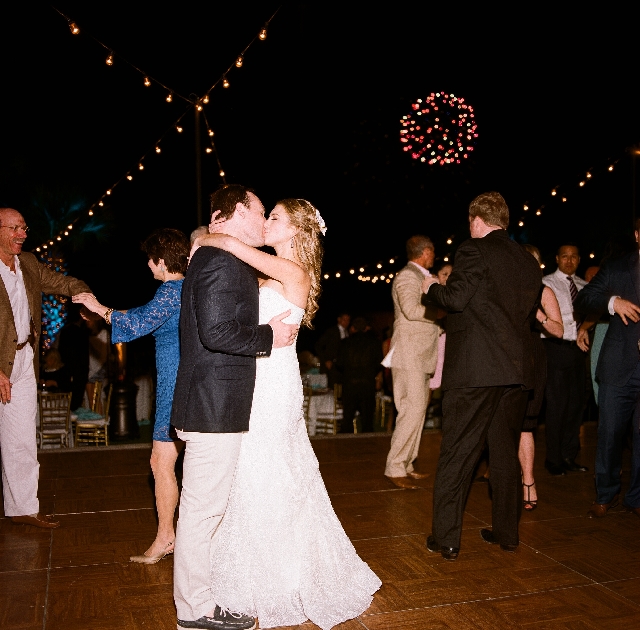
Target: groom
<point x="220" y="338"/>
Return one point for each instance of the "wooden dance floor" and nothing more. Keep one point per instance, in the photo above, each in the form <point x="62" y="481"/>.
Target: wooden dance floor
<point x="569" y="571"/>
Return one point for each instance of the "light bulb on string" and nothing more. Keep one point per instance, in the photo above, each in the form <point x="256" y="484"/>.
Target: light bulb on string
<point x="109" y="191"/>
<point x="100" y="203"/>
<point x="109" y="60"/>
<point x="263" y="34"/>
<point x="199" y="106"/>
<point x="379" y="265"/>
<point x="129" y="177"/>
<point x="141" y="166"/>
<point x="147" y="81"/>
<point x="338" y="274"/>
<point x="90" y="213"/>
<point x="66" y="233"/>
<point x="221" y="173"/>
<point x="208" y="149"/>
<point x="592" y="255"/>
<point x="449" y="241"/>
<point x="581" y="184"/>
<point x="525" y="207"/>
<point x="564" y="199"/>
<point x="210" y="131"/>
<point x="69" y="227"/>
<point x="158" y="150"/>
<point x="225" y="82"/>
<point x="390" y="275"/>
<point x="169" y="97"/>
<point x="361" y="269"/>
<point x="178" y="128"/>
<point x="553" y="192"/>
<point x="205" y="99"/>
<point x="538" y="213"/>
<point x="73" y="27"/>
<point x="44" y="247"/>
<point x="588" y="175"/>
<point x="391" y="261"/>
<point x="352" y="271"/>
<point x="326" y="276"/>
<point x="446" y="259"/>
<point x="38" y="249"/>
<point x="239" y="62"/>
<point x="520" y="223"/>
<point x="611" y="167"/>
<point x="58" y="238"/>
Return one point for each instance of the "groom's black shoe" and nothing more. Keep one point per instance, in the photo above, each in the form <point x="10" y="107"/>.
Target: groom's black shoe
<point x="221" y="620"/>
<point x="448" y="553"/>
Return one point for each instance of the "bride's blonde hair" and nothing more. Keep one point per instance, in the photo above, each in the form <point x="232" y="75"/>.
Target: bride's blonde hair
<point x="302" y="216"/>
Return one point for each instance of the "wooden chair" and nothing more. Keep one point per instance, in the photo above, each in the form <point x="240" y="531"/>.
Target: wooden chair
<point x="94" y="395"/>
<point x="53" y="427"/>
<point x="327" y="421"/>
<point x="96" y="430"/>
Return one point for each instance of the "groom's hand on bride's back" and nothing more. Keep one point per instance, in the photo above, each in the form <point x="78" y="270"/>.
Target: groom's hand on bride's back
<point x="283" y="334"/>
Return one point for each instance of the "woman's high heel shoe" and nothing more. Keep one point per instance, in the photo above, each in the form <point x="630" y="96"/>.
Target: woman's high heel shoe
<point x="529" y="504"/>
<point x="144" y="559"/>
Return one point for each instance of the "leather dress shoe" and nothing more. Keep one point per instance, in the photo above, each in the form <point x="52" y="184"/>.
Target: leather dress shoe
<point x="221" y="620"/>
<point x="570" y="466"/>
<point x="554" y="469"/>
<point x="403" y="482"/>
<point x="487" y="536"/>
<point x="37" y="521"/>
<point x="417" y="475"/>
<point x="448" y="553"/>
<point x="635" y="510"/>
<point x="599" y="510"/>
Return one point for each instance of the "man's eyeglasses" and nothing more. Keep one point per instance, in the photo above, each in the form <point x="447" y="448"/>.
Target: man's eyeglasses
<point x="16" y="228"/>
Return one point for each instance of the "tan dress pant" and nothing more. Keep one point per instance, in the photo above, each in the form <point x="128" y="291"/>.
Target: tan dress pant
<point x="209" y="466"/>
<point x="411" y="398"/>
<point x="20" y="467"/>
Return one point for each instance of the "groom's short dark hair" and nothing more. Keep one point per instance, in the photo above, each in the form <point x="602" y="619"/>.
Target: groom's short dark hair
<point x="227" y="197"/>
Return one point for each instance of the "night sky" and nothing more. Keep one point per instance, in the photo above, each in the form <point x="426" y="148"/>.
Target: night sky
<point x="314" y="112"/>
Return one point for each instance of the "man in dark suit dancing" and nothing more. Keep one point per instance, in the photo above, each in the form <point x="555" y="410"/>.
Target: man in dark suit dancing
<point x="616" y="287"/>
<point x="220" y="338"/>
<point x="490" y="298"/>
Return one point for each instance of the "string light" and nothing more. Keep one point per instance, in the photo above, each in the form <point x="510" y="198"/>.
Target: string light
<point x="178" y="128"/>
<point x="169" y="97"/>
<point x="338" y="274"/>
<point x="221" y="173"/>
<point x="90" y="214"/>
<point x="199" y="107"/>
<point x="158" y="150"/>
<point x="441" y="129"/>
<point x="205" y="99"/>
<point x="588" y="175"/>
<point x="449" y="241"/>
<point x="326" y="276"/>
<point x="564" y="199"/>
<point x="211" y="133"/>
<point x="352" y="271"/>
<point x="225" y="82"/>
<point x="611" y="168"/>
<point x="263" y="33"/>
<point x="208" y="149"/>
<point x="129" y="177"/>
<point x="147" y="81"/>
<point x="361" y="269"/>
<point x="109" y="191"/>
<point x="74" y="28"/>
<point x="553" y="192"/>
<point x="239" y="62"/>
<point x="592" y="255"/>
<point x="141" y="166"/>
<point x="520" y="223"/>
<point x="525" y="207"/>
<point x="100" y="203"/>
<point x="109" y="60"/>
<point x="379" y="265"/>
<point x="538" y="213"/>
<point x="581" y="184"/>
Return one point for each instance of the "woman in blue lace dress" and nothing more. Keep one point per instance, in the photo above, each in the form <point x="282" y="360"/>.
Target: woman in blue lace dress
<point x="168" y="251"/>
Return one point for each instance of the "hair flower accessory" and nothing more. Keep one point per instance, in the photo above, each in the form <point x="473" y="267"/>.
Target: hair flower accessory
<point x="321" y="224"/>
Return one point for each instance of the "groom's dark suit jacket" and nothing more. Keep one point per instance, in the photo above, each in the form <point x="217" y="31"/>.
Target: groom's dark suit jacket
<point x="219" y="340"/>
<point x="490" y="298"/>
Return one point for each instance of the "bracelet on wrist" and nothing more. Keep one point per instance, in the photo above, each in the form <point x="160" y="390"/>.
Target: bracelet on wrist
<point x="107" y="315"/>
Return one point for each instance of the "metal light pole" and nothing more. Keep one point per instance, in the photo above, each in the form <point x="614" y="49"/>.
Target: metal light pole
<point x="198" y="171"/>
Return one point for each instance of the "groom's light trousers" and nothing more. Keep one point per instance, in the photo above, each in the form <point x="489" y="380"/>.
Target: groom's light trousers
<point x="209" y="466"/>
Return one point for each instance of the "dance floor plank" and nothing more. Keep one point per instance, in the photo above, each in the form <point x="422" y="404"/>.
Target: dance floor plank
<point x="569" y="572"/>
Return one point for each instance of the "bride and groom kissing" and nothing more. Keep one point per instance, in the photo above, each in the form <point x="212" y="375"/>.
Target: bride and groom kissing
<point x="257" y="535"/>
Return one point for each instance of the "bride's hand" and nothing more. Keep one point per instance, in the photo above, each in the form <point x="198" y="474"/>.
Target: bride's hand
<point x="214" y="225"/>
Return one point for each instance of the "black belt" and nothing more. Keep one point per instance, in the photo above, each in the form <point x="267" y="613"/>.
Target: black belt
<point x="30" y="340"/>
<point x="561" y="342"/>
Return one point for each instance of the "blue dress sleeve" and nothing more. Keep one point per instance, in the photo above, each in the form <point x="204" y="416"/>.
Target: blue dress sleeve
<point x="142" y="320"/>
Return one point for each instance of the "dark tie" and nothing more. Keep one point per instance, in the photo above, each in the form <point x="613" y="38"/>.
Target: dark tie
<point x="573" y="289"/>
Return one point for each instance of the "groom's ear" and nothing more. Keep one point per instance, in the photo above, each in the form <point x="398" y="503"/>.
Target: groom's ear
<point x="241" y="210"/>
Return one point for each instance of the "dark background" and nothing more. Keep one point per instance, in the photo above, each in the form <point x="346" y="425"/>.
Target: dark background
<point x="314" y="113"/>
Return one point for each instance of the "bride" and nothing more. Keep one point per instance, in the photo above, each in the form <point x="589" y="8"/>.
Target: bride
<point x="281" y="553"/>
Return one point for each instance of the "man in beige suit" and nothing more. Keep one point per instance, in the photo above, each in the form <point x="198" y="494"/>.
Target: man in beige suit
<point x="414" y="348"/>
<point x="22" y="281"/>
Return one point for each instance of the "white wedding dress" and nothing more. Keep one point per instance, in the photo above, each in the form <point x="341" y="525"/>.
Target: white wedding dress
<point x="281" y="554"/>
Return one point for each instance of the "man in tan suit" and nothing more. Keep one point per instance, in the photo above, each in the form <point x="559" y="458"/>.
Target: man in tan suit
<point x="414" y="348"/>
<point x="22" y="281"/>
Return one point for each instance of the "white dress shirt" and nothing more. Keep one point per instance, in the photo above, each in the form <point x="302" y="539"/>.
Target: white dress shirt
<point x="558" y="282"/>
<point x="14" y="284"/>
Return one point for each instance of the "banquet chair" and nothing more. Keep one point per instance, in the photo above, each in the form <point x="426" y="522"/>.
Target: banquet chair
<point x="328" y="418"/>
<point x="53" y="426"/>
<point x="95" y="430"/>
<point x="94" y="393"/>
